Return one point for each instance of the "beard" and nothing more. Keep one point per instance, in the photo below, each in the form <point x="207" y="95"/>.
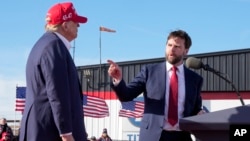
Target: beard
<point x="174" y="59"/>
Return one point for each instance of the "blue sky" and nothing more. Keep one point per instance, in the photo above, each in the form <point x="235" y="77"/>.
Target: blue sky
<point x="141" y="25"/>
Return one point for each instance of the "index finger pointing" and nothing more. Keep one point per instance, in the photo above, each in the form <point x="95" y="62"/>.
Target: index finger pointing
<point x="111" y="62"/>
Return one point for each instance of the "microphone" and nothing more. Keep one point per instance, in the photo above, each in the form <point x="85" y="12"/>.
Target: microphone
<point x="195" y="63"/>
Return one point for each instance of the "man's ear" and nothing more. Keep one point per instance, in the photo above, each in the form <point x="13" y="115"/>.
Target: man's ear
<point x="65" y="26"/>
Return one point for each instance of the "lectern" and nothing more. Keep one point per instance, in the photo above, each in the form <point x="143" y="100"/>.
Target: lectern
<point x="214" y="126"/>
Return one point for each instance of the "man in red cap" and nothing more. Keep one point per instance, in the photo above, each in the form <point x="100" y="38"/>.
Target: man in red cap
<point x="53" y="108"/>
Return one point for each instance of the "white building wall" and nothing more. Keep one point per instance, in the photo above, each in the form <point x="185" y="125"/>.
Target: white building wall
<point x="113" y="123"/>
<point x="216" y="105"/>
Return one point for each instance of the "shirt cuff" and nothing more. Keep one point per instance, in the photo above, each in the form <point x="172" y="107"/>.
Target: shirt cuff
<point x="66" y="134"/>
<point x="116" y="82"/>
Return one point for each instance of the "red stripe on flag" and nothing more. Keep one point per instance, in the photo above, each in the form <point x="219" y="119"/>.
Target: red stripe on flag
<point x="20" y="104"/>
<point x="133" y="109"/>
<point x="95" y="107"/>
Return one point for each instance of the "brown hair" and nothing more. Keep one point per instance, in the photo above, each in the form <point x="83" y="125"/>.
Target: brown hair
<point x="183" y="35"/>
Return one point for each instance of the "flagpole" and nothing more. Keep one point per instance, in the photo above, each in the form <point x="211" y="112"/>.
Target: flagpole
<point x="100" y="48"/>
<point x="101" y="28"/>
<point x="15" y="116"/>
<point x="15" y="124"/>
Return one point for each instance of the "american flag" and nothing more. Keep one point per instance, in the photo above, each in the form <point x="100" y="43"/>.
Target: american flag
<point x="132" y="109"/>
<point x="95" y="107"/>
<point x="20" y="98"/>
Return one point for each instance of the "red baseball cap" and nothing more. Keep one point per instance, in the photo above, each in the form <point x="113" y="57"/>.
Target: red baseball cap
<point x="62" y="12"/>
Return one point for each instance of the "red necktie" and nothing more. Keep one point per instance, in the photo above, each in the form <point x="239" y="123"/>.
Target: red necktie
<point x="173" y="98"/>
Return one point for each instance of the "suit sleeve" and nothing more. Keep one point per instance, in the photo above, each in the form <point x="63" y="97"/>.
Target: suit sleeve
<point x="54" y="67"/>
<point x="127" y="92"/>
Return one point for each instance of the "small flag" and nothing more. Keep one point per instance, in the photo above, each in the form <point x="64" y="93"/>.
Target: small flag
<point x="106" y="29"/>
<point x="95" y="107"/>
<point x="20" y="98"/>
<point x="132" y="109"/>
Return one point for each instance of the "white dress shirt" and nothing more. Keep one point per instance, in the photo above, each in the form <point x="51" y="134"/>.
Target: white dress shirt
<point x="181" y="96"/>
<point x="64" y="40"/>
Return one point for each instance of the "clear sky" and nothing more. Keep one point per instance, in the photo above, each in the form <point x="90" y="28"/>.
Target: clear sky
<point x="141" y="25"/>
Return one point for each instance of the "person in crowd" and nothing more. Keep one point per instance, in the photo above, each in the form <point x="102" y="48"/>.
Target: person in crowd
<point x="53" y="107"/>
<point x="87" y="135"/>
<point x="93" y="138"/>
<point x="16" y="137"/>
<point x="171" y="91"/>
<point x="4" y="128"/>
<point x="105" y="136"/>
<point x="6" y="137"/>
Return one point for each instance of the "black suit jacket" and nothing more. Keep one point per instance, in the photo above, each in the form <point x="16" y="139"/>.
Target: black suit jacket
<point x="151" y="81"/>
<point x="53" y="95"/>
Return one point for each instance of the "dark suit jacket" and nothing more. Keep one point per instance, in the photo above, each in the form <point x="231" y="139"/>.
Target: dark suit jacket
<point x="151" y="81"/>
<point x="53" y="94"/>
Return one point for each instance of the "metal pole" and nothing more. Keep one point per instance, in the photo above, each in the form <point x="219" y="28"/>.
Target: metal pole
<point x="15" y="125"/>
<point x="15" y="115"/>
<point x="100" y="47"/>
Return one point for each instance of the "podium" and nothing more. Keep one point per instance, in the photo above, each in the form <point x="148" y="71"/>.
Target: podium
<point x="215" y="126"/>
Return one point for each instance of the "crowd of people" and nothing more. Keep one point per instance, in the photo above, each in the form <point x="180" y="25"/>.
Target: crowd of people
<point x="103" y="137"/>
<point x="6" y="133"/>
